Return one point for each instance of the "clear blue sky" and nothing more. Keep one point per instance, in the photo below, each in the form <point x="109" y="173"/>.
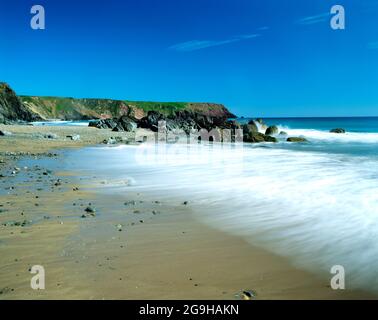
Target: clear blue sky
<point x="258" y="57"/>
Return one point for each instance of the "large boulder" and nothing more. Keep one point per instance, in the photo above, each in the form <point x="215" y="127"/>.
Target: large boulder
<point x="125" y="123"/>
<point x="255" y="137"/>
<point x="151" y="121"/>
<point x="296" y="139"/>
<point x="251" y="133"/>
<point x="270" y="139"/>
<point x="253" y="126"/>
<point x="338" y="130"/>
<point x="249" y="128"/>
<point x="103" y="124"/>
<point x="272" y="130"/>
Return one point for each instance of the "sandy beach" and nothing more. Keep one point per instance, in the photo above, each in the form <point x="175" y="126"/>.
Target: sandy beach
<point x="132" y="247"/>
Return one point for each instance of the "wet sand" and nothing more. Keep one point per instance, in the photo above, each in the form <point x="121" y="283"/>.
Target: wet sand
<point x="135" y="247"/>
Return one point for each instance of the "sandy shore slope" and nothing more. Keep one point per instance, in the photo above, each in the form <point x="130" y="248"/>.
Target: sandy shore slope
<point x="134" y="247"/>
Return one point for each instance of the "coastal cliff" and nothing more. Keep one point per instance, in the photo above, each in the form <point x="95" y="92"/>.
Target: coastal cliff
<point x="11" y="107"/>
<point x="29" y="108"/>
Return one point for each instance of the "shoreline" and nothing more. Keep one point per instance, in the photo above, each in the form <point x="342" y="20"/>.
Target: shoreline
<point x="170" y="255"/>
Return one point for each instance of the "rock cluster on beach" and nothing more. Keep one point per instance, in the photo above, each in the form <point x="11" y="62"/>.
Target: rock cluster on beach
<point x="189" y="122"/>
<point x="183" y="120"/>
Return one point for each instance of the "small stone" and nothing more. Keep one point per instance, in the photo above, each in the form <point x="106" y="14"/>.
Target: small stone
<point x="247" y="295"/>
<point x="74" y="137"/>
<point x="90" y="210"/>
<point x="58" y="182"/>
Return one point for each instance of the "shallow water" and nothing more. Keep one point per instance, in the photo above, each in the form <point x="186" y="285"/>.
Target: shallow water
<point x="315" y="203"/>
<point x="83" y="123"/>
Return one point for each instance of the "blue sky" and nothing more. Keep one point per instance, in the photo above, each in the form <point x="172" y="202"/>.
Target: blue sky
<point x="258" y="57"/>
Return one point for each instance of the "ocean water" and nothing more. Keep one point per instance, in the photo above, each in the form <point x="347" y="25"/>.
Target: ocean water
<point x="315" y="203"/>
<point x="61" y="123"/>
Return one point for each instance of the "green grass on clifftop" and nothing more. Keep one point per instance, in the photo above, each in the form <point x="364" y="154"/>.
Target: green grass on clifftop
<point x="166" y="108"/>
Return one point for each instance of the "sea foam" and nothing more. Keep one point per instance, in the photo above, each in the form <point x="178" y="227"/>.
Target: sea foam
<point x="318" y="209"/>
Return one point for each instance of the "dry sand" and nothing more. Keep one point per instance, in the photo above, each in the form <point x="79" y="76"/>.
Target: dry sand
<point x="143" y="250"/>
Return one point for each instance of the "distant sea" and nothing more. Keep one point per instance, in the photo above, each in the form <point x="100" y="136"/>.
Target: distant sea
<point x="315" y="203"/>
<point x="351" y="124"/>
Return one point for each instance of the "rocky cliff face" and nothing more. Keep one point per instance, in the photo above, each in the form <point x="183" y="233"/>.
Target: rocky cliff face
<point x="11" y="108"/>
<point x="82" y="109"/>
<point x="29" y="108"/>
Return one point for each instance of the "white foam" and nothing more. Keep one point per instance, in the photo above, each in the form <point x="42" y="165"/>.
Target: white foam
<point x="316" y="208"/>
<point x="320" y="135"/>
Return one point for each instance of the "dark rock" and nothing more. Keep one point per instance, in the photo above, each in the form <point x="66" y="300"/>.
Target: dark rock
<point x="113" y="140"/>
<point x="250" y="132"/>
<point x="270" y="139"/>
<point x="283" y="133"/>
<point x="338" y="130"/>
<point x="296" y="139"/>
<point x="272" y="130"/>
<point x="23" y="223"/>
<point x="151" y="121"/>
<point x="250" y="127"/>
<point x="74" y="137"/>
<point x="50" y="136"/>
<point x="90" y="210"/>
<point x="125" y="123"/>
<point x="247" y="295"/>
<point x="103" y="124"/>
<point x="254" y="137"/>
<point x="184" y="120"/>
